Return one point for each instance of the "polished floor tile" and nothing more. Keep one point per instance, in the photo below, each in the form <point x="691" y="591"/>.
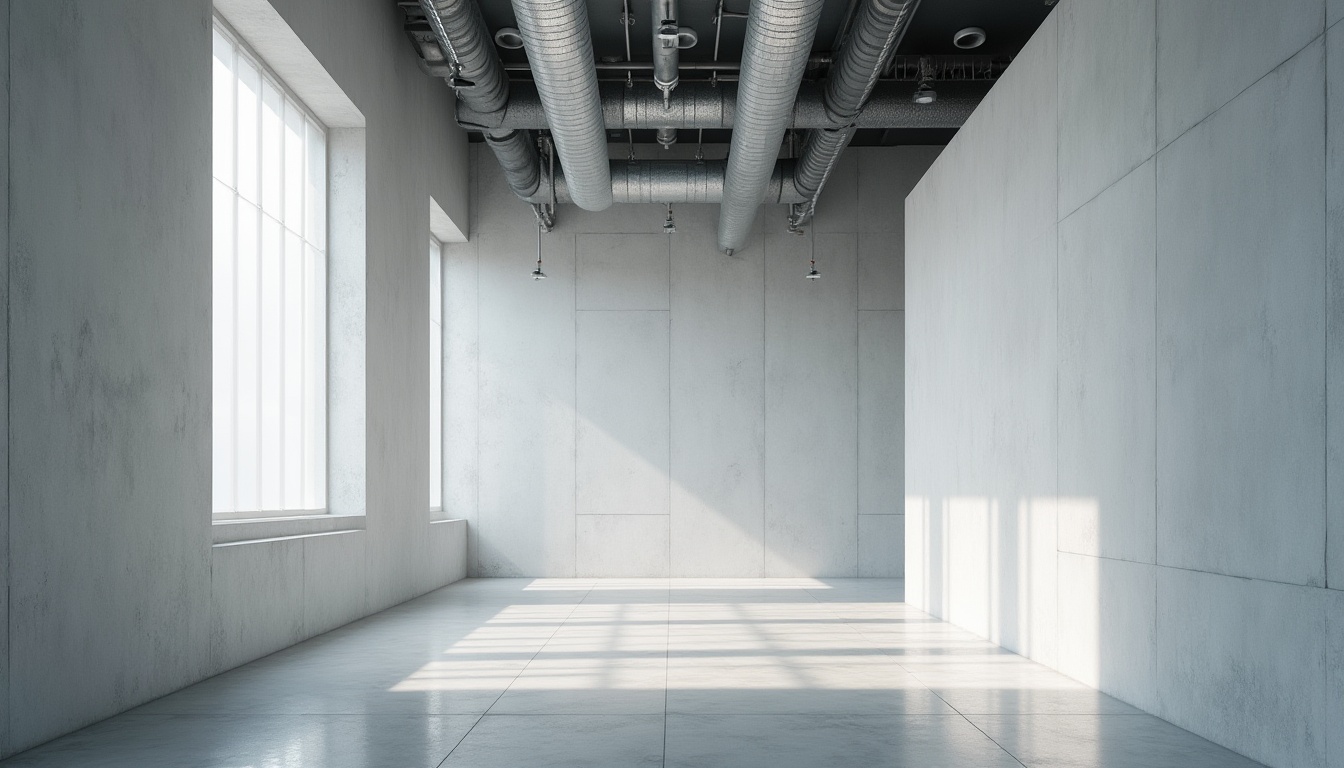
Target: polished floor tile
<point x="1108" y="741"/>
<point x="834" y="741"/>
<point x="623" y="673"/>
<point x="260" y="741"/>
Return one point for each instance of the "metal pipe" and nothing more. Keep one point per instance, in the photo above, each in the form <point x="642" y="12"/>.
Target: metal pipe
<point x="700" y="105"/>
<point x="774" y="56"/>
<point x="676" y="181"/>
<point x="644" y="66"/>
<point x="878" y="30"/>
<point x="559" y="47"/>
<point x="666" y="53"/>
<point x="482" y="86"/>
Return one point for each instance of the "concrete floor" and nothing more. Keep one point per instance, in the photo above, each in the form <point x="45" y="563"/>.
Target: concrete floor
<point x="512" y="673"/>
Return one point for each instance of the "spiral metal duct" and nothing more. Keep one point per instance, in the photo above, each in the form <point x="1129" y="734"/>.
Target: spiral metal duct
<point x="559" y="48"/>
<point x="877" y="32"/>
<point x="675" y="181"/>
<point x="483" y="86"/>
<point x="700" y="105"/>
<point x="779" y="37"/>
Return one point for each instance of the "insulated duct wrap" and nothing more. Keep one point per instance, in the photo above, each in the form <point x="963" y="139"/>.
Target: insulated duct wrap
<point x="700" y="105"/>
<point x="877" y="32"/>
<point x="483" y="86"/>
<point x="675" y="181"/>
<point x="464" y="38"/>
<point x="559" y="48"/>
<point x="517" y="155"/>
<point x="778" y="39"/>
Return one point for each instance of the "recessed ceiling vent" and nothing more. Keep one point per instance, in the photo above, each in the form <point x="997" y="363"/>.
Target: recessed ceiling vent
<point x="970" y="37"/>
<point x="508" y="39"/>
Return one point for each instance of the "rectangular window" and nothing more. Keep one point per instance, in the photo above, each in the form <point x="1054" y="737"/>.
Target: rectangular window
<point x="435" y="376"/>
<point x="269" y="292"/>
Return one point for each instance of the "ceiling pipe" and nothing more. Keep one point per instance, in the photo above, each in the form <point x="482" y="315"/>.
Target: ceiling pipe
<point x="700" y="105"/>
<point x="559" y="47"/>
<point x="774" y="57"/>
<point x="482" y="86"/>
<point x="675" y="181"/>
<point x="878" y="29"/>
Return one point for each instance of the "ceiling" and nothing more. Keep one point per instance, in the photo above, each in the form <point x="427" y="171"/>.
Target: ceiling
<point x="1008" y="25"/>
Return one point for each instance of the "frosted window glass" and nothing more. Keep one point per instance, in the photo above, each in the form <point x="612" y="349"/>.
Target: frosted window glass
<point x="249" y="128"/>
<point x="435" y="375"/>
<point x="224" y="80"/>
<point x="269" y="292"/>
<point x="222" y="318"/>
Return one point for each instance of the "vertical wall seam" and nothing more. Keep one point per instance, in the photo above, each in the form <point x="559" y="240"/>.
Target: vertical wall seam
<point x="1059" y="217"/>
<point x="474" y="553"/>
<point x="1157" y="290"/>
<point x="765" y="395"/>
<point x="1325" y="369"/>
<point x="9" y="393"/>
<point x="669" y="441"/>
<point x="858" y="405"/>
<point x="574" y="515"/>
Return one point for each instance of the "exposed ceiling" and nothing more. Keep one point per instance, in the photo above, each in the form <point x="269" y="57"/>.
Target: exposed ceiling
<point x="1008" y="25"/>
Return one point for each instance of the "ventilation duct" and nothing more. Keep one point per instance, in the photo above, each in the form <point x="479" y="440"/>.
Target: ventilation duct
<point x="779" y="37"/>
<point x="877" y="32"/>
<point x="675" y="181"/>
<point x="700" y="105"/>
<point x="482" y="86"/>
<point x="559" y="48"/>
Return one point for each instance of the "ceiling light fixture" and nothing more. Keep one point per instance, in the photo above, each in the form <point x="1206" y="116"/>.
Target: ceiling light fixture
<point x="813" y="274"/>
<point x="537" y="274"/>
<point x="970" y="37"/>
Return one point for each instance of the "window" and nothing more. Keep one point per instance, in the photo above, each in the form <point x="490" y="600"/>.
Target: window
<point x="435" y="376"/>
<point x="269" y="292"/>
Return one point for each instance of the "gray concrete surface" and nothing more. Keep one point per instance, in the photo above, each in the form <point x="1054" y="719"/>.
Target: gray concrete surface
<point x="4" y="365"/>
<point x="115" y="593"/>
<point x="1155" y="357"/>
<point x="656" y="408"/>
<point x="614" y="673"/>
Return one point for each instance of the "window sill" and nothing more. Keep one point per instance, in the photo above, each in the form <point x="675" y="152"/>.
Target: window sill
<point x="240" y="531"/>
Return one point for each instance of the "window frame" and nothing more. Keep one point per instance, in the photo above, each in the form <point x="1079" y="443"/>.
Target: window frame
<point x="268" y="76"/>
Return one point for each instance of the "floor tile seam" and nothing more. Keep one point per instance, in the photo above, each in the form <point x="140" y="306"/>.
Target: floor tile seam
<point x="841" y="621"/>
<point x="972" y="723"/>
<point x="486" y="711"/>
<point x="856" y="631"/>
<point x="264" y="714"/>
<point x="1063" y="714"/>
<point x="994" y="742"/>
<point x="864" y="715"/>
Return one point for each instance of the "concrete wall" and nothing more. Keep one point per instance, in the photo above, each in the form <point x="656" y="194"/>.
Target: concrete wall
<point x="115" y="592"/>
<point x="655" y="407"/>
<point x="4" y="369"/>
<point x="1124" y="308"/>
